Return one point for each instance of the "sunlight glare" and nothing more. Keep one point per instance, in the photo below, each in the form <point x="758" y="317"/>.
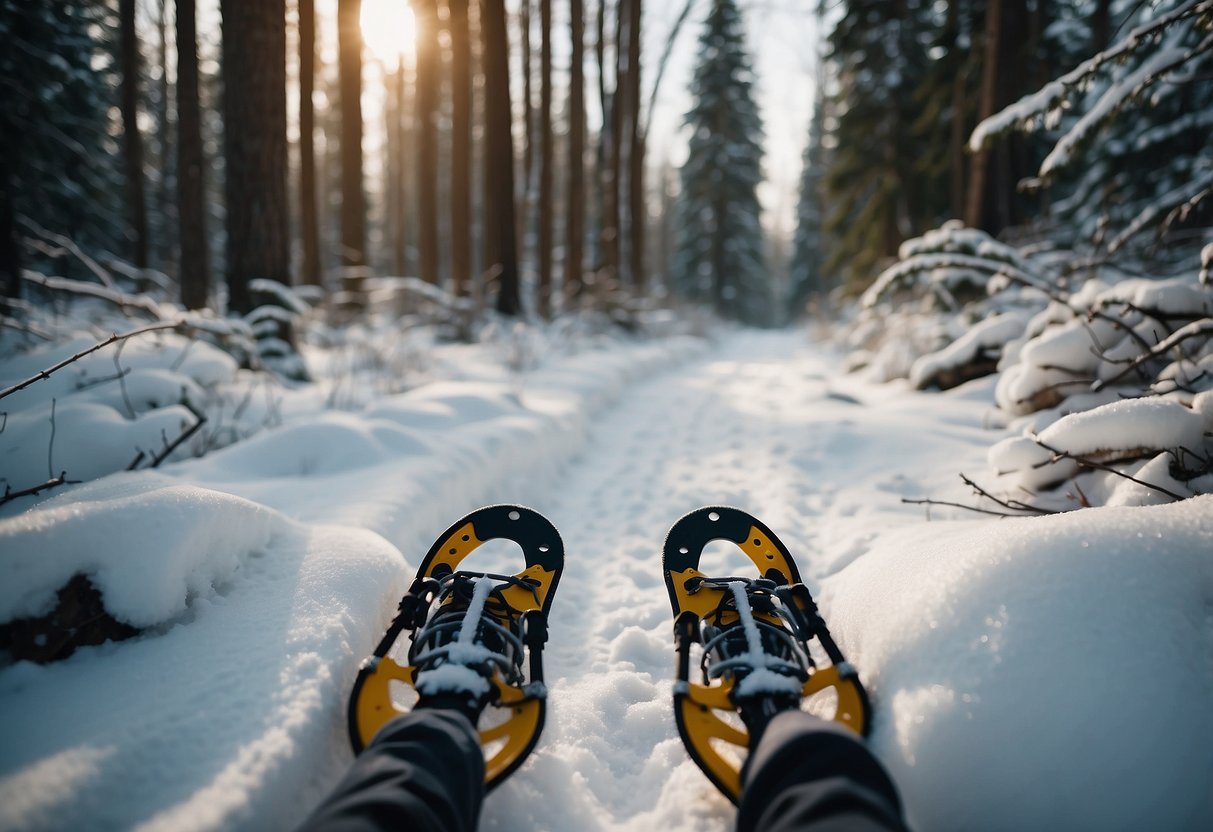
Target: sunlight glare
<point x="389" y="29"/>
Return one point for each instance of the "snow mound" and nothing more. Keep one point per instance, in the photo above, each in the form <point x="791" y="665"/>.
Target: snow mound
<point x="226" y="717"/>
<point x="1016" y="688"/>
<point x="147" y="544"/>
<point x="1123" y="428"/>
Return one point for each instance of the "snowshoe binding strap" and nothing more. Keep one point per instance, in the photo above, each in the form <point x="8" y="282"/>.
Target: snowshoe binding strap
<point x="475" y="633"/>
<point x="753" y="636"/>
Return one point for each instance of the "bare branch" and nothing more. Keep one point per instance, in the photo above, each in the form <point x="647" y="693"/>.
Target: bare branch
<point x="185" y="435"/>
<point x="927" y="502"/>
<point x="67" y="245"/>
<point x="1192" y="330"/>
<point x="127" y="303"/>
<point x="10" y="495"/>
<point x="113" y="339"/>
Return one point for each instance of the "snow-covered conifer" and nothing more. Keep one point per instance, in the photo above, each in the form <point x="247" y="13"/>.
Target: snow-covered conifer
<point x="719" y="250"/>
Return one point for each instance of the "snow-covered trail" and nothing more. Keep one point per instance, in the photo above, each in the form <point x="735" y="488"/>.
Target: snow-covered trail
<point x="761" y="423"/>
<point x="994" y="650"/>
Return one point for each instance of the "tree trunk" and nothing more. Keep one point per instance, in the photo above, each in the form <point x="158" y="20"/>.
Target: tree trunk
<point x="254" y="117"/>
<point x="132" y="140"/>
<point x="546" y="161"/>
<point x="528" y="110"/>
<point x="501" y="254"/>
<point x="309" y="231"/>
<point x="959" y="128"/>
<point x="980" y="161"/>
<point x="164" y="196"/>
<point x="397" y="106"/>
<point x="349" y="71"/>
<point x="637" y="211"/>
<point x="191" y="165"/>
<point x="461" y="148"/>
<point x="428" y="68"/>
<point x="575" y="227"/>
<point x="611" y="208"/>
<point x="10" y="241"/>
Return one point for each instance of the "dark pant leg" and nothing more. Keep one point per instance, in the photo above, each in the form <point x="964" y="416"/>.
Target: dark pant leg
<point x="810" y="775"/>
<point x="424" y="772"/>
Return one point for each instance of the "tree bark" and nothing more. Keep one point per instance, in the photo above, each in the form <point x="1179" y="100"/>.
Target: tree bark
<point x="575" y="227"/>
<point x="528" y="110"/>
<point x="254" y="117"/>
<point x="349" y="72"/>
<point x="980" y="161"/>
<point x="397" y="154"/>
<point x="501" y="253"/>
<point x="10" y="241"/>
<point x="132" y="139"/>
<point x="546" y="161"/>
<point x="611" y="208"/>
<point x="309" y="231"/>
<point x="164" y="196"/>
<point x="959" y="128"/>
<point x="428" y="69"/>
<point x="461" y="148"/>
<point x="637" y="211"/>
<point x="191" y="165"/>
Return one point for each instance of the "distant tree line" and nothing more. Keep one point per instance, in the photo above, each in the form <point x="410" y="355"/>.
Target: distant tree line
<point x="131" y="132"/>
<point x="1121" y="148"/>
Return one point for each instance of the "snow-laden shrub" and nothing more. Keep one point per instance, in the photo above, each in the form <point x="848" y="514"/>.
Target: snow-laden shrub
<point x="1107" y="386"/>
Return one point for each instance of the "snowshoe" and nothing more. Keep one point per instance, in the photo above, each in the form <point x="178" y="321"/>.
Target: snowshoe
<point x="756" y="644"/>
<point x="475" y="636"/>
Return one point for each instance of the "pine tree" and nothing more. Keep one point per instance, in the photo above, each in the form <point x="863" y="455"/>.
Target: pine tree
<point x="59" y="166"/>
<point x="719" y="249"/>
<point x="805" y="271"/>
<point x="877" y="51"/>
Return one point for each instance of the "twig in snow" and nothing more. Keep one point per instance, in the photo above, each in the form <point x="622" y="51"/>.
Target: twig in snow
<point x="169" y="447"/>
<point x="50" y="447"/>
<point x="10" y="495"/>
<point x="1013" y="505"/>
<point x="1014" y="508"/>
<point x="1192" y="330"/>
<point x="116" y="337"/>
<point x="1083" y="462"/>
<point x="122" y="380"/>
<point x="929" y="502"/>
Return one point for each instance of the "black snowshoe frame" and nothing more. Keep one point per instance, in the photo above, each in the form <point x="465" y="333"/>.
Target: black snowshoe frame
<point x="517" y="608"/>
<point x="783" y="611"/>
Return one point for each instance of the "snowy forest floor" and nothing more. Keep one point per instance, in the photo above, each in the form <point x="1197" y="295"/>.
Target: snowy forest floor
<point x="1039" y="673"/>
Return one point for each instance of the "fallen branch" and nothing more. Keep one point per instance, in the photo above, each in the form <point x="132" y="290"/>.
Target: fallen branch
<point x="1192" y="330"/>
<point x="70" y="247"/>
<point x="113" y="339"/>
<point x="1015" y="508"/>
<point x="929" y="502"/>
<point x="10" y="495"/>
<point x="126" y="303"/>
<point x="1083" y="462"/>
<point x="186" y="434"/>
<point x="1014" y="505"/>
